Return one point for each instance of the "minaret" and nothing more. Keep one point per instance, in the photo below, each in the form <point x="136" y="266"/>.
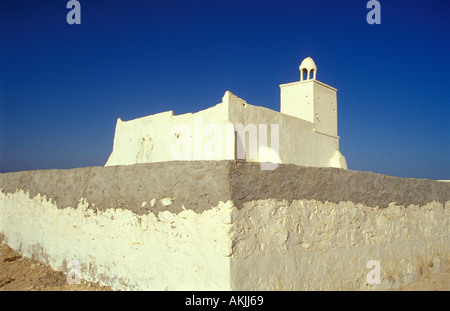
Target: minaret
<point x="311" y="100"/>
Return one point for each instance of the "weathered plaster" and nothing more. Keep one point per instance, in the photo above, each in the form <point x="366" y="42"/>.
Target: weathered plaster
<point x="118" y="248"/>
<point x="310" y="245"/>
<point x="223" y="225"/>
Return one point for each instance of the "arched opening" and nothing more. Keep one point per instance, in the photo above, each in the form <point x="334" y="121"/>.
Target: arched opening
<point x="304" y="74"/>
<point x="312" y="74"/>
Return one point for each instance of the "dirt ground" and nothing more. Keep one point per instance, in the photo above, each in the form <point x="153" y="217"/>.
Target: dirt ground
<point x="23" y="274"/>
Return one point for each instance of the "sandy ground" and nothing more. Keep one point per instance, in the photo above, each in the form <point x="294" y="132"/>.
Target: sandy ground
<point x="23" y="274"/>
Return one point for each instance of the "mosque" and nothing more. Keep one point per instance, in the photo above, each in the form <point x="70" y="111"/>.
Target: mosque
<point x="304" y="132"/>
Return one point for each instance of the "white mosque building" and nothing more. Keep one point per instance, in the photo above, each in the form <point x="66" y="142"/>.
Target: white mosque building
<point x="304" y="132"/>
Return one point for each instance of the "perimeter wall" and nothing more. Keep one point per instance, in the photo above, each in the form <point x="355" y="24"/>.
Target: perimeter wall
<point x="222" y="225"/>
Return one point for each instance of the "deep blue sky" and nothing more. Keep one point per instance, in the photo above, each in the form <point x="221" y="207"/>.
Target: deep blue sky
<point x="62" y="87"/>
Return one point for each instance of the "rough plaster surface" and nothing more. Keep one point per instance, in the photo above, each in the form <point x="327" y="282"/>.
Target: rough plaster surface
<point x="227" y="225"/>
<point x="120" y="249"/>
<point x="198" y="185"/>
<point x="292" y="182"/>
<point x="310" y="245"/>
<point x="141" y="188"/>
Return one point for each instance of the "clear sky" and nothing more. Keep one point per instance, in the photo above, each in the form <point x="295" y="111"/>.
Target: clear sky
<point x="62" y="87"/>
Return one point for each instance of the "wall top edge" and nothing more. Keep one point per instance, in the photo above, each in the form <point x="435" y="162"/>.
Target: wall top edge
<point x="201" y="185"/>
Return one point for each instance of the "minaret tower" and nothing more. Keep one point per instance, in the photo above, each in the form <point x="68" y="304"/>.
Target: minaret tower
<point x="311" y="100"/>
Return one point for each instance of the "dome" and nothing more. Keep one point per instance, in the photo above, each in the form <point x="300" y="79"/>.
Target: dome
<point x="308" y="66"/>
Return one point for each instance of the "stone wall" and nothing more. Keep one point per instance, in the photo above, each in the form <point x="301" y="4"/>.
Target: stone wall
<point x="222" y="225"/>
